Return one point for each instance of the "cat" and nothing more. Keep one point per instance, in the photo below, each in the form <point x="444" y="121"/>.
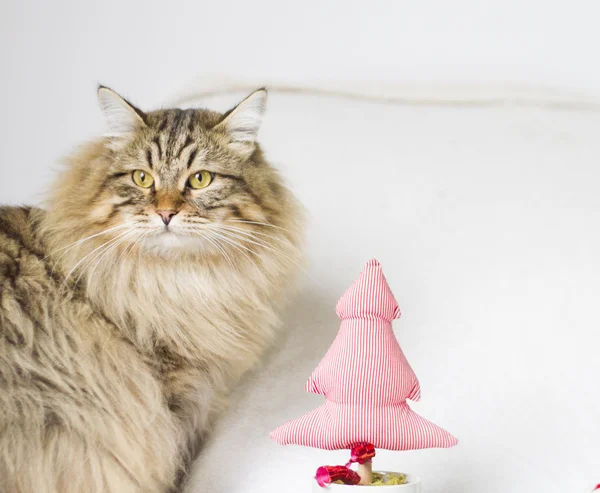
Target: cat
<point x="138" y="297"/>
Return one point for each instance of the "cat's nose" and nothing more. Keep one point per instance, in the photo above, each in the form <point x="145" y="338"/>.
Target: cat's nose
<point x="166" y="215"/>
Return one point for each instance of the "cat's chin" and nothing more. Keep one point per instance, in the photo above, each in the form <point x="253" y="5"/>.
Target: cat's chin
<point x="169" y="243"/>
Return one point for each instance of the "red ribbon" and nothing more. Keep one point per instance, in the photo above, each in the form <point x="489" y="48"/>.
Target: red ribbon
<point x="328" y="474"/>
<point x="597" y="487"/>
<point x="360" y="453"/>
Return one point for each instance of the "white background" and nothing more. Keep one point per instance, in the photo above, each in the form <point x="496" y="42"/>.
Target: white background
<point x="485" y="218"/>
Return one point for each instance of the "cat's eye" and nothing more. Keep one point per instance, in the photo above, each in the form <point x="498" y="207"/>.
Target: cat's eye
<point x="142" y="179"/>
<point x="200" y="180"/>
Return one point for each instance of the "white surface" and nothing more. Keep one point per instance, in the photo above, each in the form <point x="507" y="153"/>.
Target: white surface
<point x="485" y="221"/>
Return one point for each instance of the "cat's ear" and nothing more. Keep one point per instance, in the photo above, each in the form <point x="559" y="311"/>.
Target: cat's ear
<point x="122" y="117"/>
<point x="242" y="123"/>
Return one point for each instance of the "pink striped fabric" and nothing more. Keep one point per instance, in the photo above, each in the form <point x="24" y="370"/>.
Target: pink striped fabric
<point x="366" y="380"/>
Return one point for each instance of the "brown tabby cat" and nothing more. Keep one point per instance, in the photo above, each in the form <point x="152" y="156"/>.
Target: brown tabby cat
<point x="132" y="305"/>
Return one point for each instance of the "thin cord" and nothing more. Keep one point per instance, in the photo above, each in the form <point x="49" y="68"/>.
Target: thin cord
<point x="412" y="95"/>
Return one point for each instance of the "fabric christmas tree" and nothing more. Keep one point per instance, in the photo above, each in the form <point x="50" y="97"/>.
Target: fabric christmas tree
<point x="366" y="380"/>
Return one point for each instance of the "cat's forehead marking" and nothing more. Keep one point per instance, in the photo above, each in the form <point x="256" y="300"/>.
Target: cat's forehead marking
<point x="175" y="142"/>
<point x="174" y="131"/>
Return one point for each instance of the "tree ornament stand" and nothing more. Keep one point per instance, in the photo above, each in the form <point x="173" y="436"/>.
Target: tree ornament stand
<point x="413" y="486"/>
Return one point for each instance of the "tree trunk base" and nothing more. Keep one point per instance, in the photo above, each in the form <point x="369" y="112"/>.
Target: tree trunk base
<point x="365" y="471"/>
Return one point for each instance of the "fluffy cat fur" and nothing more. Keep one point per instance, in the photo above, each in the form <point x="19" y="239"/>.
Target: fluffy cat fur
<point x="122" y="329"/>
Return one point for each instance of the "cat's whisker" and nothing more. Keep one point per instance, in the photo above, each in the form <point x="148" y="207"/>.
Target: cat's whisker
<point x="211" y="239"/>
<point x="75" y="243"/>
<point x="71" y="246"/>
<point x="232" y="241"/>
<point x="250" y="232"/>
<point x="228" y="242"/>
<point x="128" y="249"/>
<point x="102" y="246"/>
<point x="84" y="270"/>
<point x="262" y="244"/>
<point x="244" y="237"/>
<point x="257" y="223"/>
<point x="99" y="258"/>
<point x="238" y="247"/>
<point x="218" y="247"/>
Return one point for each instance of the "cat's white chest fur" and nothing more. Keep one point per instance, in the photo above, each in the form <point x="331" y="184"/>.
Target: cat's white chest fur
<point x="198" y="312"/>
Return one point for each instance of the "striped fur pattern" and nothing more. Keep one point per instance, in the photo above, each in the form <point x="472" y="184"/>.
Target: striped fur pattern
<point x="122" y="334"/>
<point x="366" y="381"/>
